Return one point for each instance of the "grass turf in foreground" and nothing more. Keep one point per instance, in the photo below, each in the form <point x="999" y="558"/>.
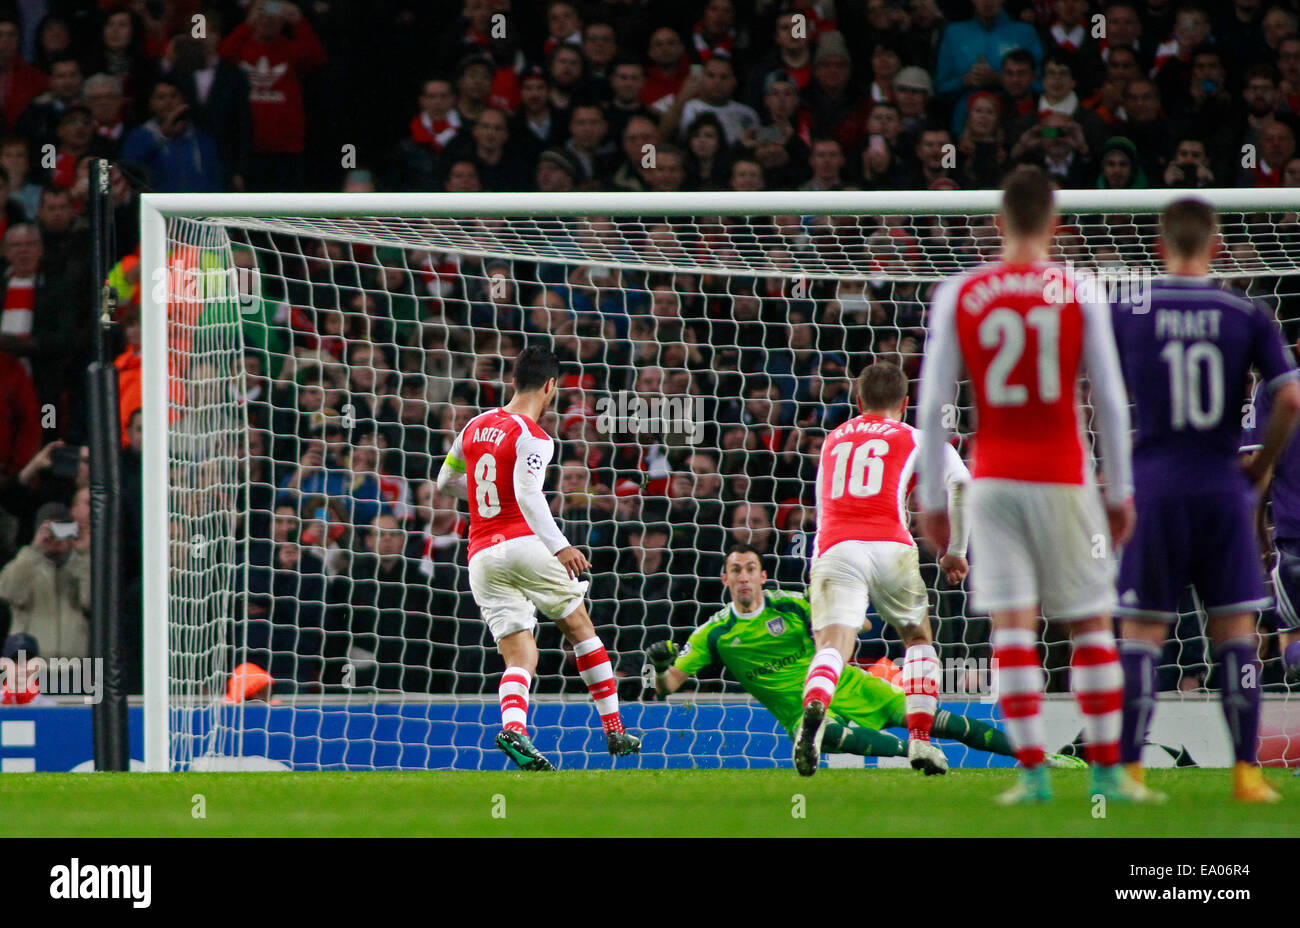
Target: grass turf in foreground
<point x="632" y="803"/>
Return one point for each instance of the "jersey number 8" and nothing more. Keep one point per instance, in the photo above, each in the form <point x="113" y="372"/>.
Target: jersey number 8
<point x="485" y="487"/>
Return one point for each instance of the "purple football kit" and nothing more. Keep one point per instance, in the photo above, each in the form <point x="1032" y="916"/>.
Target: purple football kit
<point x="1187" y="360"/>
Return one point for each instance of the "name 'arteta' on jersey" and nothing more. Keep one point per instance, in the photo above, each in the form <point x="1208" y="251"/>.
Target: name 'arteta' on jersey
<point x="977" y="297"/>
<point x="490" y="434"/>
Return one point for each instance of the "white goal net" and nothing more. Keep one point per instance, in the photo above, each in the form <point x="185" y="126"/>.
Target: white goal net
<point x="309" y="360"/>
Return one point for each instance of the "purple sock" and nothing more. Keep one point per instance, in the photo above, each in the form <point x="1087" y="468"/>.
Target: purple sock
<point x="1138" y="658"/>
<point x="1239" y="688"/>
<point x="1291" y="657"/>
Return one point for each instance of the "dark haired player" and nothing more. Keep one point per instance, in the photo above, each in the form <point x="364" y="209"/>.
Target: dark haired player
<point x="1187" y="353"/>
<point x="519" y="561"/>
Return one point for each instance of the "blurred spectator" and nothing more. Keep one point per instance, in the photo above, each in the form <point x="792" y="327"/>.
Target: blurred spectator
<point x="536" y="124"/>
<point x="497" y="166"/>
<point x="791" y="53"/>
<point x="556" y="172"/>
<point x="826" y="162"/>
<point x="15" y="158"/>
<point x="715" y="96"/>
<point x="912" y="92"/>
<point x="379" y="622"/>
<point x="935" y="159"/>
<point x="76" y="136"/>
<point x="626" y="83"/>
<point x="103" y="96"/>
<point x="20" y="427"/>
<point x="982" y="147"/>
<point x="1124" y="28"/>
<point x="219" y="92"/>
<point x="1120" y="168"/>
<point x="178" y="156"/>
<point x="1276" y="148"/>
<point x="40" y="323"/>
<point x="972" y="50"/>
<point x="707" y="163"/>
<point x="65" y="237"/>
<point x="473" y="87"/>
<point x="837" y="105"/>
<point x="40" y="120"/>
<point x="20" y="83"/>
<point x="1107" y="101"/>
<point x="1148" y="127"/>
<point x="667" y="72"/>
<point x="121" y="53"/>
<point x="588" y="143"/>
<point x="1190" y="166"/>
<point x="46" y="587"/>
<point x="20" y="670"/>
<point x="276" y="46"/>
<point x="1172" y="69"/>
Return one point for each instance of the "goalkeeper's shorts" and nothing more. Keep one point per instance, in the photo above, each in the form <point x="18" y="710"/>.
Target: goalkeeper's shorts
<point x="1040" y="544"/>
<point x="514" y="579"/>
<point x="853" y="574"/>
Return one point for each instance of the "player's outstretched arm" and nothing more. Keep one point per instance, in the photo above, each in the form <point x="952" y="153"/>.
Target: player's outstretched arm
<point x="1282" y="420"/>
<point x="668" y="679"/>
<point x="1110" y="404"/>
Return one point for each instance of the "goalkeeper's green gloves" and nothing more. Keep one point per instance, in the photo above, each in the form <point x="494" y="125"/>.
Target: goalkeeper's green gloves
<point x="662" y="655"/>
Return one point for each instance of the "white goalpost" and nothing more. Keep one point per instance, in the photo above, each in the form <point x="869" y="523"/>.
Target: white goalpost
<point x="307" y="359"/>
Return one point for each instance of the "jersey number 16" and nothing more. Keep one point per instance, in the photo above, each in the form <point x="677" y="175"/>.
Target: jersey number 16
<point x="864" y="473"/>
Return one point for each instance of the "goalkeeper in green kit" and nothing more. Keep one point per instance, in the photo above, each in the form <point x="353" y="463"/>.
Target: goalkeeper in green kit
<point x="765" y="640"/>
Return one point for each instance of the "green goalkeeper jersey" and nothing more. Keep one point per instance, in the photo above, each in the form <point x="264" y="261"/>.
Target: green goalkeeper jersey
<point x="769" y="654"/>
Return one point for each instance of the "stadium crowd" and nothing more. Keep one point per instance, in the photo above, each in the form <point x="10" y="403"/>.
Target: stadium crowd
<point x="363" y="363"/>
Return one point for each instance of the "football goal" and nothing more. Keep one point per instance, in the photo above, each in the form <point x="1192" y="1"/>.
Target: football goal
<point x="309" y="358"/>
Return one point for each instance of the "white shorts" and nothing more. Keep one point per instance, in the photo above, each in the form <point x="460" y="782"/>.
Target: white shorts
<point x="512" y="579"/>
<point x="852" y="574"/>
<point x="1040" y="544"/>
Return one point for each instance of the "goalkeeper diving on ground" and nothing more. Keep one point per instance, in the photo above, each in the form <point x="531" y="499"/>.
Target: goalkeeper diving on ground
<point x="764" y="639"/>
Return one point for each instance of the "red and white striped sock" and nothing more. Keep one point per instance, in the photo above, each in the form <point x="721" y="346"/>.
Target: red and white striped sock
<point x="920" y="689"/>
<point x="1020" y="691"/>
<point x="513" y="694"/>
<point x="823" y="676"/>
<point x="1097" y="681"/>
<point x="598" y="673"/>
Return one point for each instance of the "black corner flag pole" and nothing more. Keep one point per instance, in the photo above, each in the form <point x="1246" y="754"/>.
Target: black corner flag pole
<point x="112" y="744"/>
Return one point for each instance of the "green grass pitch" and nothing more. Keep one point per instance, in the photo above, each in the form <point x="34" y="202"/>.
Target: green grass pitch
<point x="631" y="803"/>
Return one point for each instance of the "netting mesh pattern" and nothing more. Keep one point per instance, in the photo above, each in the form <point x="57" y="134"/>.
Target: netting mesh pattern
<point x="321" y="373"/>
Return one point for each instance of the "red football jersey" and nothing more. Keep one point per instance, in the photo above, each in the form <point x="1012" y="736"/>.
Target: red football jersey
<point x="865" y="474"/>
<point x="867" y="469"/>
<point x="1023" y="356"/>
<point x="499" y="451"/>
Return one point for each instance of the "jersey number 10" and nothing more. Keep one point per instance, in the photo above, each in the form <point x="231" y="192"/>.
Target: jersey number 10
<point x="1189" y="367"/>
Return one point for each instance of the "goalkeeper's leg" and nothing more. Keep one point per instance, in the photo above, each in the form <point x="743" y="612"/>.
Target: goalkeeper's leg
<point x="865" y="742"/>
<point x="985" y="737"/>
<point x="598" y="673"/>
